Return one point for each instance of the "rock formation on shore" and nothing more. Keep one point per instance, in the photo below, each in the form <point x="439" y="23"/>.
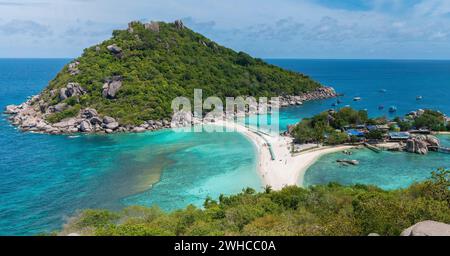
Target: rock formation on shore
<point x="427" y="228"/>
<point x="30" y="116"/>
<point x="318" y="94"/>
<point x="422" y="144"/>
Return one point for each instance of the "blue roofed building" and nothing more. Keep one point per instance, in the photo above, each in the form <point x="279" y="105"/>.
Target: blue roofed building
<point x="354" y="132"/>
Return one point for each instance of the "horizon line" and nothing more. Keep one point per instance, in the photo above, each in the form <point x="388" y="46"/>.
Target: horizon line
<point x="264" y="58"/>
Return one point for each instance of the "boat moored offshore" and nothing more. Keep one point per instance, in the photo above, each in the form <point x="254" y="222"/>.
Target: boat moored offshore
<point x="393" y="109"/>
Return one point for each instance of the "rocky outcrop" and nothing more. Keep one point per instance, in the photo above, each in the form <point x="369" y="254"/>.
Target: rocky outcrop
<point x="89" y="113"/>
<point x="116" y="50"/>
<point x="71" y="90"/>
<point x="85" y="126"/>
<point x="110" y="123"/>
<point x="131" y="26"/>
<point x="348" y="162"/>
<point x="73" y="68"/>
<point x="179" y="24"/>
<point x="60" y="107"/>
<point x="152" y="26"/>
<point x="433" y="141"/>
<point x="422" y="144"/>
<point x="28" y="117"/>
<point x="318" y="94"/>
<point x="428" y="228"/>
<point x="11" y="109"/>
<point x="111" y="86"/>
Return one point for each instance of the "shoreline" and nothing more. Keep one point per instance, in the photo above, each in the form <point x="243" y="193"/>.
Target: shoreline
<point x="33" y="114"/>
<point x="442" y="133"/>
<point x="286" y="169"/>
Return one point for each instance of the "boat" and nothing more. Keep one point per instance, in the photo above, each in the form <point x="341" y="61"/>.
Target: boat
<point x="381" y="107"/>
<point x="334" y="105"/>
<point x="339" y="101"/>
<point x="393" y="109"/>
<point x="419" y="98"/>
<point x="383" y="90"/>
<point x="357" y="99"/>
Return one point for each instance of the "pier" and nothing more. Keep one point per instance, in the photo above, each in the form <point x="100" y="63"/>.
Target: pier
<point x="269" y="145"/>
<point x="440" y="149"/>
<point x="444" y="150"/>
<point x="373" y="148"/>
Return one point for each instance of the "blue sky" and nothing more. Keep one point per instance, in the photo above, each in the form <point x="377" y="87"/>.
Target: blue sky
<point x="391" y="29"/>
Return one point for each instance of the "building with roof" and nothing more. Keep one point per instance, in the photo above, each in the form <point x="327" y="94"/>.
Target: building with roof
<point x="399" y="136"/>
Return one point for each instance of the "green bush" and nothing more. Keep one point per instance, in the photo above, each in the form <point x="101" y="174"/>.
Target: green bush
<point x="70" y="112"/>
<point x="432" y="120"/>
<point x="336" y="138"/>
<point x="375" y="135"/>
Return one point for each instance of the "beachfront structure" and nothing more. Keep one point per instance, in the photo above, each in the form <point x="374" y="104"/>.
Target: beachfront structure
<point x="383" y="128"/>
<point x="399" y="136"/>
<point x="420" y="131"/>
<point x="355" y="132"/>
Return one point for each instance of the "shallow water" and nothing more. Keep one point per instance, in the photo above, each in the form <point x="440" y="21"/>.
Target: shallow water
<point x="388" y="170"/>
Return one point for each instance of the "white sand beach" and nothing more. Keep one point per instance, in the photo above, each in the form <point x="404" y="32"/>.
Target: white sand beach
<point x="283" y="169"/>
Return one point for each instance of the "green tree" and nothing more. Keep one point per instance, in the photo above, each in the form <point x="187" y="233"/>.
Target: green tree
<point x="375" y="135"/>
<point x="336" y="138"/>
<point x="432" y="120"/>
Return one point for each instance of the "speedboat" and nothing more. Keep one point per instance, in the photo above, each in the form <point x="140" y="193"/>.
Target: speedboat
<point x="393" y="109"/>
<point x="383" y="90"/>
<point x="357" y="99"/>
<point x="419" y="98"/>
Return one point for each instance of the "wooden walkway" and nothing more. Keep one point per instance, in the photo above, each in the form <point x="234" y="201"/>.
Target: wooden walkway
<point x="444" y="150"/>
<point x="373" y="148"/>
<point x="260" y="134"/>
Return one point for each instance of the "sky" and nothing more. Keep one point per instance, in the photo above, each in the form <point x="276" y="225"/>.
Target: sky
<point x="325" y="29"/>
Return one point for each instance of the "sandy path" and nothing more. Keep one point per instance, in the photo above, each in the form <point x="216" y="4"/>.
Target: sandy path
<point x="286" y="169"/>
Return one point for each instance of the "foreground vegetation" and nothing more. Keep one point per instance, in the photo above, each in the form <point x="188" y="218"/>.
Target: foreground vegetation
<point x="320" y="210"/>
<point x="156" y="66"/>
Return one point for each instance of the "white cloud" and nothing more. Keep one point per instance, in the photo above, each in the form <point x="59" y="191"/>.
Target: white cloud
<point x="285" y="28"/>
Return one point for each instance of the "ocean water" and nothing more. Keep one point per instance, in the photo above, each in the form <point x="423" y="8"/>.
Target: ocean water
<point x="45" y="179"/>
<point x="388" y="170"/>
<point x="403" y="81"/>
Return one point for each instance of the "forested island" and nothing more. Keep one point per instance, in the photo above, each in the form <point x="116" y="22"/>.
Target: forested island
<point x="127" y="83"/>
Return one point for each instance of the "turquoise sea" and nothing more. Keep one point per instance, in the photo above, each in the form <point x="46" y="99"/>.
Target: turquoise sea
<point x="45" y="179"/>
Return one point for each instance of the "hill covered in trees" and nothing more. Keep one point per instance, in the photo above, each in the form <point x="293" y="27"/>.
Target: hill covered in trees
<point x="320" y="210"/>
<point x="134" y="76"/>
